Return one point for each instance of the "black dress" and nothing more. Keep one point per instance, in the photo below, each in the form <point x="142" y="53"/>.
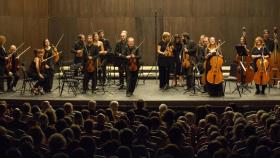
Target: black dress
<point x="49" y="73"/>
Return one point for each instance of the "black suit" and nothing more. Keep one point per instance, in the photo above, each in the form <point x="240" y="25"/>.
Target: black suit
<point x="92" y="50"/>
<point x="192" y="49"/>
<point x="103" y="60"/>
<point x="78" y="45"/>
<point x="132" y="76"/>
<point x="119" y="50"/>
<point x="3" y="54"/>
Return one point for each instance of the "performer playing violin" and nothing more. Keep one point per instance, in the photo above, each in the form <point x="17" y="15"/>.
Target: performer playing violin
<point x="49" y="65"/>
<point x="12" y="68"/>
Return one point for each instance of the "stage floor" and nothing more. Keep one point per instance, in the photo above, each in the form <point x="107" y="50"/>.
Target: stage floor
<point x="150" y="92"/>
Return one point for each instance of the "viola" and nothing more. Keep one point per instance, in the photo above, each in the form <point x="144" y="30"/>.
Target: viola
<point x="56" y="54"/>
<point x="261" y="76"/>
<point x="133" y="64"/>
<point x="90" y="65"/>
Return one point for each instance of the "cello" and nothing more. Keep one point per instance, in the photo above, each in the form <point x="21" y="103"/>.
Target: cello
<point x="274" y="60"/>
<point x="261" y="76"/>
<point x="215" y="74"/>
<point x="245" y="74"/>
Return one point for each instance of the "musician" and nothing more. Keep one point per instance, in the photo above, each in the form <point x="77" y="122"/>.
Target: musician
<point x="101" y="62"/>
<point x="49" y="65"/>
<point x="103" y="59"/>
<point x="3" y="59"/>
<point x="269" y="43"/>
<point x="257" y="51"/>
<point x="164" y="62"/>
<point x="119" y="51"/>
<point x="132" y="53"/>
<point x="178" y="47"/>
<point x="37" y="71"/>
<point x="91" y="53"/>
<point x="13" y="75"/>
<point x="201" y="53"/>
<point x="214" y="90"/>
<point x="78" y="50"/>
<point x="190" y="48"/>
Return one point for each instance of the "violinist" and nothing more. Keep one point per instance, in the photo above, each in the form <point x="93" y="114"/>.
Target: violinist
<point x="178" y="47"/>
<point x="201" y="46"/>
<point x="189" y="48"/>
<point x="259" y="51"/>
<point x="103" y="58"/>
<point x="101" y="63"/>
<point x="269" y="43"/>
<point x="132" y="53"/>
<point x="12" y="72"/>
<point x="119" y="51"/>
<point x="49" y="65"/>
<point x="164" y="65"/>
<point x="3" y="59"/>
<point x="214" y="90"/>
<point x="90" y="65"/>
<point x="78" y="50"/>
<point x="37" y="72"/>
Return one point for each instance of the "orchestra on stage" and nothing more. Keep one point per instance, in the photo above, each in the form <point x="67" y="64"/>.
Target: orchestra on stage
<point x="181" y="62"/>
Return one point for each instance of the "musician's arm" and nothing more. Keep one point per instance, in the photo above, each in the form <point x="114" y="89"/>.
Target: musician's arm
<point x="138" y="54"/>
<point x="158" y="50"/>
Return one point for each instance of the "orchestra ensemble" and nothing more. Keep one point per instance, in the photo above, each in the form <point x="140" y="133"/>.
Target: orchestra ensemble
<point x="180" y="60"/>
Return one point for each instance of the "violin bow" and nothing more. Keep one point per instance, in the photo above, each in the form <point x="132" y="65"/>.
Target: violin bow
<point x="24" y="51"/>
<point x="61" y="37"/>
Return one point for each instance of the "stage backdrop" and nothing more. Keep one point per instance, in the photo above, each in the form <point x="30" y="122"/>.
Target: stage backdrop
<point x="31" y="21"/>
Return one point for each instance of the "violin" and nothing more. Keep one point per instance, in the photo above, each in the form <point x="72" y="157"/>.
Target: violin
<point x="215" y="74"/>
<point x="246" y="73"/>
<point x="132" y="60"/>
<point x="186" y="59"/>
<point x="261" y="76"/>
<point x="275" y="60"/>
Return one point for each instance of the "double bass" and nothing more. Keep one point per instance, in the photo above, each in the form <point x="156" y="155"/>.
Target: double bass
<point x="261" y="76"/>
<point x="274" y="60"/>
<point x="215" y="74"/>
<point x="245" y="72"/>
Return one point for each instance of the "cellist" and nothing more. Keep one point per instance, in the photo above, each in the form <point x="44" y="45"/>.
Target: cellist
<point x="214" y="90"/>
<point x="90" y="64"/>
<point x="259" y="51"/>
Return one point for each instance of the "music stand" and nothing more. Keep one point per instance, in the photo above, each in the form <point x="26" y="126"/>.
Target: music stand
<point x="241" y="51"/>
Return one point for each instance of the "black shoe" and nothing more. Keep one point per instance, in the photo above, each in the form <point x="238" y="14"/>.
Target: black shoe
<point x="166" y="87"/>
<point x="257" y="92"/>
<point x="121" y="87"/>
<point x="128" y="94"/>
<point x="262" y="93"/>
<point x="84" y="92"/>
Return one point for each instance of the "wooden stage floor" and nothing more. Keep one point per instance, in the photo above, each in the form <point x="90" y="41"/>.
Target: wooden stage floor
<point x="152" y="95"/>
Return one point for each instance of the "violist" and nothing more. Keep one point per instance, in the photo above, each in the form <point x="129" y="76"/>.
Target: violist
<point x="49" y="65"/>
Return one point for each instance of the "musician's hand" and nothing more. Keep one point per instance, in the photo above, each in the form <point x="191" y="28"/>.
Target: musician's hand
<point x="89" y="57"/>
<point x="186" y="50"/>
<point x="41" y="76"/>
<point x="128" y="57"/>
<point x="79" y="51"/>
<point x="132" y="55"/>
<point x="7" y="58"/>
<point x="17" y="58"/>
<point x="10" y="73"/>
<point x="105" y="52"/>
<point x="47" y="66"/>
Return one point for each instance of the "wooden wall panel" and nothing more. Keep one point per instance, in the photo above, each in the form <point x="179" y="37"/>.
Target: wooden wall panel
<point x="33" y="20"/>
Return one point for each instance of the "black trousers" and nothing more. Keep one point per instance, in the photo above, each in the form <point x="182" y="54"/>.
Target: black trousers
<point x="164" y="76"/>
<point x="258" y="88"/>
<point x="49" y="80"/>
<point x="87" y="77"/>
<point x="122" y="75"/>
<point x="102" y="74"/>
<point x="189" y="76"/>
<point x="2" y="73"/>
<point x="132" y="77"/>
<point x="13" y="80"/>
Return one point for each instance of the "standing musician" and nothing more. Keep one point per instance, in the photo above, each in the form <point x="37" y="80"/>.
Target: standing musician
<point x="3" y="59"/>
<point x="269" y="43"/>
<point x="37" y="71"/>
<point x="132" y="53"/>
<point x="78" y="50"/>
<point x="203" y="43"/>
<point x="49" y="65"/>
<point x="178" y="47"/>
<point x="119" y="51"/>
<point x="103" y="58"/>
<point x="165" y="60"/>
<point x="259" y="51"/>
<point x="12" y="72"/>
<point x="90" y="65"/>
<point x="101" y="62"/>
<point x="189" y="50"/>
<point x="212" y="51"/>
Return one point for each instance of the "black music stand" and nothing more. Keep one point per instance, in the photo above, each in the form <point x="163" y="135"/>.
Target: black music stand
<point x="194" y="87"/>
<point x="241" y="51"/>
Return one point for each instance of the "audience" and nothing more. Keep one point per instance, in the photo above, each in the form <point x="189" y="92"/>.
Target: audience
<point x="31" y="131"/>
